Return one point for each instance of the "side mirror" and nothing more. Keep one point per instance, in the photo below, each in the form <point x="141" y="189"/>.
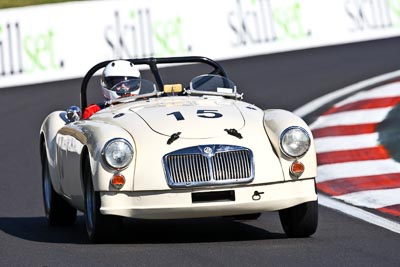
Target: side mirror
<point x="74" y="113"/>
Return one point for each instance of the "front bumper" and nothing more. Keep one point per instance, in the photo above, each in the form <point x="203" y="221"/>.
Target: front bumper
<point x="177" y="204"/>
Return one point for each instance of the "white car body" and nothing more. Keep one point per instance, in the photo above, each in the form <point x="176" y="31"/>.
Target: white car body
<point x="148" y="124"/>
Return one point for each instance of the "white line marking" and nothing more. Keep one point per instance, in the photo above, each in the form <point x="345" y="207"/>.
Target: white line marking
<point x="359" y="213"/>
<point x="388" y="90"/>
<point x="356" y="169"/>
<point x="317" y="103"/>
<point x="347" y="142"/>
<point x="373" y="199"/>
<point x="351" y="118"/>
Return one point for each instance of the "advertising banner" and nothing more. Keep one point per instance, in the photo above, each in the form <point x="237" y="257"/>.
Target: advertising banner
<point x="62" y="41"/>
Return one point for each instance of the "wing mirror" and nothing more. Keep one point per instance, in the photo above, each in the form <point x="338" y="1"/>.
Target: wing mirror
<point x="74" y="113"/>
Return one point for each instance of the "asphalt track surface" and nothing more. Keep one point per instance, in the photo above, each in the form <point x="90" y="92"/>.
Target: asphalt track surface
<point x="287" y="81"/>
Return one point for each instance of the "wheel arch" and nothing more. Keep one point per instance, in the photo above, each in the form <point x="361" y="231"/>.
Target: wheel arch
<point x="276" y="121"/>
<point x="93" y="139"/>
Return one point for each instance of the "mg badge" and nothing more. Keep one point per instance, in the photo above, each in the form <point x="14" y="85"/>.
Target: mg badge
<point x="208" y="150"/>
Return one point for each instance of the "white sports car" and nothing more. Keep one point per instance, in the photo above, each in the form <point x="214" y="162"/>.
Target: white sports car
<point x="178" y="151"/>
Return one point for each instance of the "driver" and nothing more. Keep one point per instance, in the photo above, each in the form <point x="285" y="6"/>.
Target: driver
<point x="114" y="84"/>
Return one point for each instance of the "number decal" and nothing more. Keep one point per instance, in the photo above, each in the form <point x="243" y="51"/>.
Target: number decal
<point x="201" y="113"/>
<point x="208" y="114"/>
<point x="178" y="115"/>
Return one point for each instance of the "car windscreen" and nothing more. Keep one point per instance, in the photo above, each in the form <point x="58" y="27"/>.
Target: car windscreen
<point x="210" y="83"/>
<point x="135" y="87"/>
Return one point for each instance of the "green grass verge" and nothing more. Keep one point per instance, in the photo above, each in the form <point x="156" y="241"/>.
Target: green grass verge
<point x="20" y="3"/>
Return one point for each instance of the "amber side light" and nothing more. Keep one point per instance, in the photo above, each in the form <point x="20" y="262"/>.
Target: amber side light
<point x="297" y="168"/>
<point x="118" y="180"/>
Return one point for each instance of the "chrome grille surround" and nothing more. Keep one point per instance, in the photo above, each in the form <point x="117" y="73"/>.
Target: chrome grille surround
<point x="209" y="165"/>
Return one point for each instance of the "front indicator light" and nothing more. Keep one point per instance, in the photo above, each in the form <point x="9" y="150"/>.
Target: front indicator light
<point x="297" y="168"/>
<point x="118" y="181"/>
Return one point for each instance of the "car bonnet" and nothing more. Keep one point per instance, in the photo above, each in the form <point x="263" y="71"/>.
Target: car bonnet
<point x="192" y="117"/>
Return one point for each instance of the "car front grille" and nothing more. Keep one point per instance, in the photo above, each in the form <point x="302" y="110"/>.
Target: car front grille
<point x="209" y="165"/>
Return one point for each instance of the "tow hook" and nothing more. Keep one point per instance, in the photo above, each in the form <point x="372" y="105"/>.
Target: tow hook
<point x="257" y="195"/>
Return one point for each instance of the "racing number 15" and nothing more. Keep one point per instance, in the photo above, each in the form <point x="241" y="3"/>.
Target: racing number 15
<point x="201" y="113"/>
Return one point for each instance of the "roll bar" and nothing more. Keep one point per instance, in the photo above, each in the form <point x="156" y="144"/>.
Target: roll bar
<point x="153" y="64"/>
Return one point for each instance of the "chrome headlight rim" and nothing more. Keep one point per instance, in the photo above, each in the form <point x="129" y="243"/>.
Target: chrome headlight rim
<point x="108" y="144"/>
<point x="284" y="132"/>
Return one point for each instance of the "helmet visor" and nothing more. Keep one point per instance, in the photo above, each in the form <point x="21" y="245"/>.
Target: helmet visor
<point x="111" y="81"/>
<point x="127" y="87"/>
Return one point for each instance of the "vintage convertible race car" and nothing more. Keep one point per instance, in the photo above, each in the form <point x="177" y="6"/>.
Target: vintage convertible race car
<point x="177" y="151"/>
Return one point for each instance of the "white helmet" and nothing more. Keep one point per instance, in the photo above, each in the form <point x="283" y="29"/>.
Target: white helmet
<point x="115" y="73"/>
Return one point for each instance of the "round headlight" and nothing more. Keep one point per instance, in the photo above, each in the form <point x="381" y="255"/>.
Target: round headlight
<point x="118" y="153"/>
<point x="295" y="142"/>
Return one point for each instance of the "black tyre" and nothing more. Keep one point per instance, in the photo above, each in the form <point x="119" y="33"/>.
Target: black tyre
<point x="99" y="227"/>
<point x="58" y="211"/>
<point x="300" y="220"/>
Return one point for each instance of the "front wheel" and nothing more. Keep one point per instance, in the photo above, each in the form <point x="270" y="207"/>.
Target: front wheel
<point x="300" y="220"/>
<point x="99" y="227"/>
<point x="58" y="211"/>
